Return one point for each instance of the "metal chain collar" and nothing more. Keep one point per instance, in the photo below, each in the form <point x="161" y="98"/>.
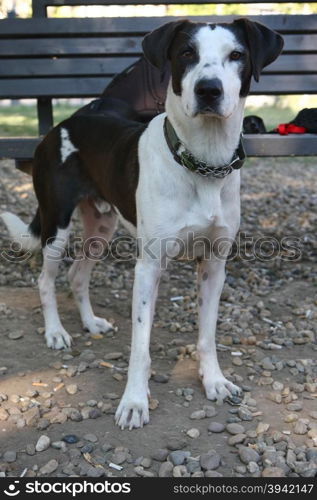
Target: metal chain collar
<point x="188" y="160"/>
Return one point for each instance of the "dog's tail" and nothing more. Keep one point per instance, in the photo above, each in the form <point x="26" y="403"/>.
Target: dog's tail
<point x="28" y="236"/>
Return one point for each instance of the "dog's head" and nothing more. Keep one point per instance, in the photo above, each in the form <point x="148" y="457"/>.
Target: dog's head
<point x="212" y="64"/>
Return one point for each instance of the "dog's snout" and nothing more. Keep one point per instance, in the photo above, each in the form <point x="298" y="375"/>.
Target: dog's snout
<point x="209" y="90"/>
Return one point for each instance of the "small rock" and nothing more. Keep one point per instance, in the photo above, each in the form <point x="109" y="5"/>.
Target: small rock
<point x="253" y="467"/>
<point x="87" y="448"/>
<point x="180" y="471"/>
<point x="70" y="439"/>
<point x="276" y="397"/>
<point x="178" y="457"/>
<point x="106" y="447"/>
<point x="192" y="465"/>
<point x="146" y="462"/>
<point x="175" y="443"/>
<point x="216" y="427"/>
<point x="291" y="417"/>
<point x="92" y="438"/>
<point x="166" y="469"/>
<point x="143" y="473"/>
<point x="237" y="362"/>
<point x="210" y="411"/>
<point x="235" y="428"/>
<point x="277" y="386"/>
<point x="113" y="356"/>
<point x="295" y="406"/>
<point x="31" y="393"/>
<point x="153" y="403"/>
<point x="236" y="439"/>
<point x="71" y="389"/>
<point x="198" y="473"/>
<point x="15" y="335"/>
<point x="245" y="414"/>
<point x="32" y="415"/>
<point x="247" y="455"/>
<point x="193" y="433"/>
<point x="92" y="403"/>
<point x="267" y="364"/>
<point x="95" y="413"/>
<point x="198" y="415"/>
<point x="210" y="460"/>
<point x="9" y="456"/>
<point x="290" y="457"/>
<point x="119" y="456"/>
<point x="212" y="473"/>
<point x="300" y="427"/>
<point x="4" y="415"/>
<point x="160" y="455"/>
<point x="311" y="454"/>
<point x="262" y="427"/>
<point x="43" y="424"/>
<point x="49" y="468"/>
<point x="43" y="443"/>
<point x="59" y="445"/>
<point x="30" y="449"/>
<point x="273" y="472"/>
<point x="111" y="395"/>
<point x="75" y="416"/>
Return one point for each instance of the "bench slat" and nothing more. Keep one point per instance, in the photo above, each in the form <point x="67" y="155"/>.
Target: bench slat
<point x="255" y="145"/>
<point x="79" y="46"/>
<point x="88" y="66"/>
<point x="16" y="88"/>
<point x="275" y="145"/>
<point x="139" y="25"/>
<point x="94" y="66"/>
<point x="70" y="47"/>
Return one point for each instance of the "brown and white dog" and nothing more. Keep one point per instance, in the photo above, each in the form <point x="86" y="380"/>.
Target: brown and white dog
<point x="111" y="167"/>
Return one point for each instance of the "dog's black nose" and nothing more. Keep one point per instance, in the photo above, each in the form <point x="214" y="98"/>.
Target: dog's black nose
<point x="209" y="90"/>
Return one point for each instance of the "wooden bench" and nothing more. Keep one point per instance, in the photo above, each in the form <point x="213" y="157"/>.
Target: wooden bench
<point x="46" y="58"/>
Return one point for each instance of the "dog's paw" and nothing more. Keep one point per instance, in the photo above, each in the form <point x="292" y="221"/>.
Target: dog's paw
<point x="132" y="412"/>
<point x="97" y="325"/>
<point x="219" y="388"/>
<point x="58" y="339"/>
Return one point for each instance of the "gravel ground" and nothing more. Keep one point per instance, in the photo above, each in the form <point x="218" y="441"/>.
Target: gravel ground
<point x="57" y="408"/>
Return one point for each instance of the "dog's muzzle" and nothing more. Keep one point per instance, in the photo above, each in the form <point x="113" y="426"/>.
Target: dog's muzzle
<point x="209" y="93"/>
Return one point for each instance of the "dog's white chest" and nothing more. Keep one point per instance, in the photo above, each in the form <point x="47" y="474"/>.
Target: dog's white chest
<point x="204" y="215"/>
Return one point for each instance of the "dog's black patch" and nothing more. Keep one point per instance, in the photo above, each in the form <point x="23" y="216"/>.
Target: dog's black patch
<point x="183" y="54"/>
<point x="101" y="169"/>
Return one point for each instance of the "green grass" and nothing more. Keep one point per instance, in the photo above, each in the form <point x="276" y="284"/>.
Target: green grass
<point x="21" y="120"/>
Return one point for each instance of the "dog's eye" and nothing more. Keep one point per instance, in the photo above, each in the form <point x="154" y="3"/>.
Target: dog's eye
<point x="235" y="55"/>
<point x="188" y="53"/>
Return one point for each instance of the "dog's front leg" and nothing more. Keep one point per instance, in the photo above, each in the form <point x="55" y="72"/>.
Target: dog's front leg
<point x="211" y="276"/>
<point x="133" y="410"/>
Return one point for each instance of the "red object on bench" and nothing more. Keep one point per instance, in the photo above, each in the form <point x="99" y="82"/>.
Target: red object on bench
<point x="290" y="128"/>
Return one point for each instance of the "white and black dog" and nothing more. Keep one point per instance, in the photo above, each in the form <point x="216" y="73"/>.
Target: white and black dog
<point x="175" y="177"/>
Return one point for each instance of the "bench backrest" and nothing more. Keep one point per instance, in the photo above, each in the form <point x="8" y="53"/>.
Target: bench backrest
<point x="45" y="58"/>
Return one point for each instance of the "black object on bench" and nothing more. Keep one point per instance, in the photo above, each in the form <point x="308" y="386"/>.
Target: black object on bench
<point x="45" y="58"/>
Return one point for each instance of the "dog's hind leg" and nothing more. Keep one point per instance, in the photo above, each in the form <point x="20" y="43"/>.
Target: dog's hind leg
<point x="211" y="276"/>
<point x="98" y="231"/>
<point x="55" y="334"/>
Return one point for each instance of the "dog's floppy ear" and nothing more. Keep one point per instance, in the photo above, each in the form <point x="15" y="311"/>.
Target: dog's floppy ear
<point x="264" y="44"/>
<point x="157" y="43"/>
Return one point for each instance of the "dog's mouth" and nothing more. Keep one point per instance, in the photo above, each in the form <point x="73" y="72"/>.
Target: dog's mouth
<point x="209" y="111"/>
